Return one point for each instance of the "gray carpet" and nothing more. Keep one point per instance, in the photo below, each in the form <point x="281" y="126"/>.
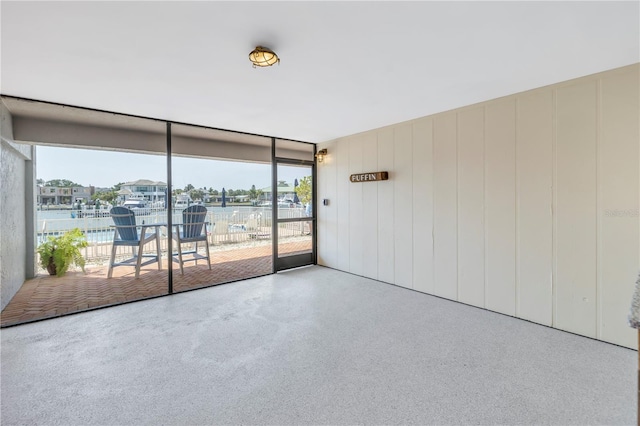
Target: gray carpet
<point x="309" y="346"/>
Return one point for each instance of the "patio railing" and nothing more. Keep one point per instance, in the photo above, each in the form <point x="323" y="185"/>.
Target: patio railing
<point x="226" y="227"/>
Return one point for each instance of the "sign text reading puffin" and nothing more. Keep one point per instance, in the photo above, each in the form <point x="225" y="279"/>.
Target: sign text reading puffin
<point x="369" y="177"/>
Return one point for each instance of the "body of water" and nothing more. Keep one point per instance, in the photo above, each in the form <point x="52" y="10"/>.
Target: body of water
<point x="99" y="229"/>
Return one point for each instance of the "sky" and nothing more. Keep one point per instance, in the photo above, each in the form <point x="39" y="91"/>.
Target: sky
<point x="107" y="168"/>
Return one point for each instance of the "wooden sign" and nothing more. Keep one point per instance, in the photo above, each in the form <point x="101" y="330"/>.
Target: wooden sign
<point x="369" y="177"/>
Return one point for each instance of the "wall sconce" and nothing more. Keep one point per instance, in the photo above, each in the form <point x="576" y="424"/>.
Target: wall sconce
<point x="320" y="155"/>
<point x="263" y="57"/>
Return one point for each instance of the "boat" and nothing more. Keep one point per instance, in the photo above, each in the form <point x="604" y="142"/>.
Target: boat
<point x="283" y="203"/>
<point x="92" y="211"/>
<point x="138" y="206"/>
<point x="183" y="201"/>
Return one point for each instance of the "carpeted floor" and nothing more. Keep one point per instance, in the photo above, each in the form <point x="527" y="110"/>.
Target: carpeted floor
<point x="309" y="346"/>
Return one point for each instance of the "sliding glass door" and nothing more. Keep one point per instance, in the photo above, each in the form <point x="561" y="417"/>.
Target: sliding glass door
<point x="292" y="203"/>
<point x="220" y="225"/>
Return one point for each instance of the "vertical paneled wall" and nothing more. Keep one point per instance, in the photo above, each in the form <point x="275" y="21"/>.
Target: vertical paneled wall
<point x="526" y="205"/>
<point x="422" y="167"/>
<point x="575" y="208"/>
<point x="534" y="198"/>
<point x="385" y="262"/>
<point x="470" y="233"/>
<point x="500" y="207"/>
<point x="445" y="207"/>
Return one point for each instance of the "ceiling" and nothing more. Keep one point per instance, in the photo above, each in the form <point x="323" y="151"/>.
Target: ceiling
<point x="346" y="67"/>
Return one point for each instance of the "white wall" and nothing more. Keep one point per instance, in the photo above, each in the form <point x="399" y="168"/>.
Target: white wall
<point x="14" y="244"/>
<point x="525" y="205"/>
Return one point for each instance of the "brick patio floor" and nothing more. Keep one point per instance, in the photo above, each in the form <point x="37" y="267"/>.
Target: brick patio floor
<point x="45" y="296"/>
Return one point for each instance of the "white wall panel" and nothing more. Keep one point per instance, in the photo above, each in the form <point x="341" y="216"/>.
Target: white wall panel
<point x="403" y="206"/>
<point x="423" y="205"/>
<point x="575" y="201"/>
<point x="386" y="200"/>
<point x="445" y="212"/>
<point x="342" y="203"/>
<point x="471" y="206"/>
<point x="500" y="207"/>
<point x="534" y="225"/>
<point x="356" y="233"/>
<point x="370" y="204"/>
<point x="526" y="205"/>
<point x="618" y="202"/>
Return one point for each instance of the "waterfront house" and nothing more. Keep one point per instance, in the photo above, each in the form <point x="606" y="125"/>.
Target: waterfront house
<point x="51" y="195"/>
<point x="152" y="191"/>
<point x="284" y="190"/>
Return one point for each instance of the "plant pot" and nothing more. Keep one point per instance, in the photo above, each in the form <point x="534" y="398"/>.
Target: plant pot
<point x="51" y="268"/>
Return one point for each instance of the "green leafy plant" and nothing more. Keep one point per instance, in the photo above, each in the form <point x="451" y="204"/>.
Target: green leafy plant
<point x="58" y="253"/>
<point x="304" y="190"/>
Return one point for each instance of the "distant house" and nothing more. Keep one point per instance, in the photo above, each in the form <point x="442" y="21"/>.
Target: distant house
<point x="144" y="189"/>
<point x="56" y="195"/>
<point x="284" y="191"/>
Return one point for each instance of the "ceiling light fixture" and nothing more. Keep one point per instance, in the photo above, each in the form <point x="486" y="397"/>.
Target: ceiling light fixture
<point x="263" y="57"/>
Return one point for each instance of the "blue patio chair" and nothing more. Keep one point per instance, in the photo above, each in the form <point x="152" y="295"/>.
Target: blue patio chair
<point x="126" y="234"/>
<point x="194" y="230"/>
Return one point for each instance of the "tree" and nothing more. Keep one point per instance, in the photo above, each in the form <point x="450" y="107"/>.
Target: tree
<point x="304" y="190"/>
<point x="189" y="187"/>
<point x="40" y="182"/>
<point x="61" y="183"/>
<point x="196" y="194"/>
<point x="253" y="193"/>
<point x="107" y="196"/>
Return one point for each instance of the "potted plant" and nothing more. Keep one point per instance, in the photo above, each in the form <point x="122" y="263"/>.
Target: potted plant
<point x="58" y="253"/>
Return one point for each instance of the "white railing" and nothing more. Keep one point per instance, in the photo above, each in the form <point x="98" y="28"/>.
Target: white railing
<point x="231" y="225"/>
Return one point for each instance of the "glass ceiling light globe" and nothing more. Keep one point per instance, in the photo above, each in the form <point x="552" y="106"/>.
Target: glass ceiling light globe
<point x="263" y="57"/>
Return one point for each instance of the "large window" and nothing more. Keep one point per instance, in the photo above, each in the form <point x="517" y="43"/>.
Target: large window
<point x="222" y="175"/>
<point x="157" y="208"/>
